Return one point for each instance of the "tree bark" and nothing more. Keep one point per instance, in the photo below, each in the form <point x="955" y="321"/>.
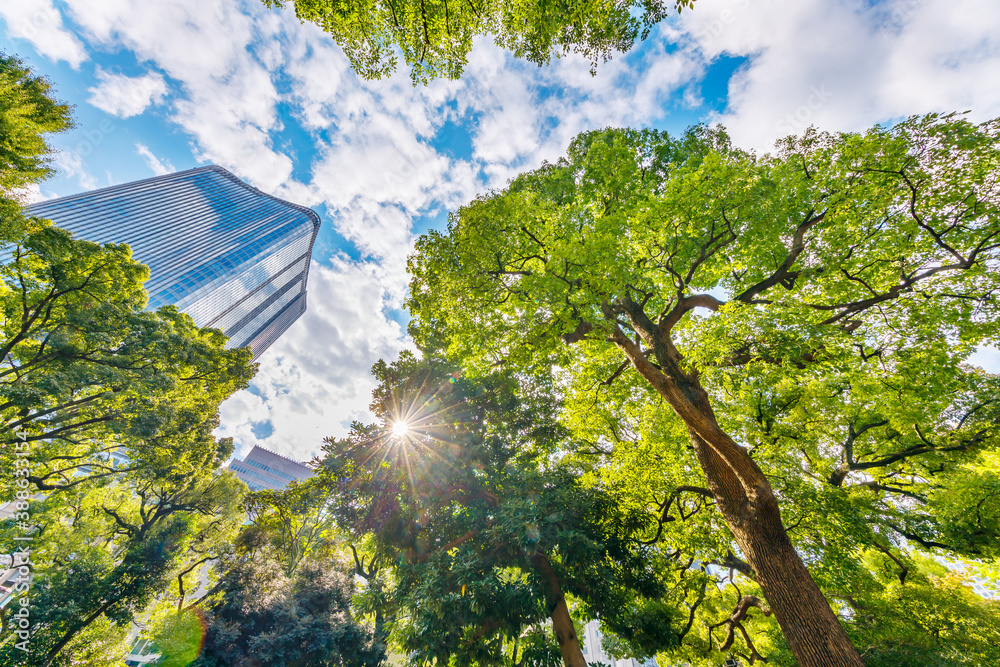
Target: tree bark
<point x="562" y="623"/>
<point x="747" y="502"/>
<point x="813" y="631"/>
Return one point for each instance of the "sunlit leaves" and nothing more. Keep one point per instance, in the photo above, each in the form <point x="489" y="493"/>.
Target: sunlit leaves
<point x="27" y="114"/>
<point x="434" y="37"/>
<point x="87" y="371"/>
<point x="485" y="484"/>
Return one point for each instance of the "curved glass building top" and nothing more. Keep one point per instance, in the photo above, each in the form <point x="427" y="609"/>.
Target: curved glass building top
<point x="219" y="249"/>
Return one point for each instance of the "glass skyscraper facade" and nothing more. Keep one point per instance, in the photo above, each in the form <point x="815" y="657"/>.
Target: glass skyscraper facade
<point x="225" y="253"/>
<point x="263" y="469"/>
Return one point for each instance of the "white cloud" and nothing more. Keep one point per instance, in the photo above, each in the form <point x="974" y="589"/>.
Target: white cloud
<point x="29" y="194"/>
<point x="227" y="99"/>
<point x="126" y="96"/>
<point x="71" y="165"/>
<point x="40" y="23"/>
<point x="157" y="166"/>
<point x="849" y="65"/>
<point x="987" y="357"/>
<point x="376" y="170"/>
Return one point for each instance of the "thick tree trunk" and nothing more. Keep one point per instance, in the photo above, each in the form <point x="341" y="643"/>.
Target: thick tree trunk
<point x="562" y="623"/>
<point x="813" y="632"/>
<point x="747" y="502"/>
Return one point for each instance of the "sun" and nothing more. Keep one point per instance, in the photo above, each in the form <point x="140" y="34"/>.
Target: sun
<point x="400" y="429"/>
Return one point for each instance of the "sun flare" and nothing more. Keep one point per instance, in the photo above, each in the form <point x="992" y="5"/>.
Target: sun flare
<point x="400" y="429"/>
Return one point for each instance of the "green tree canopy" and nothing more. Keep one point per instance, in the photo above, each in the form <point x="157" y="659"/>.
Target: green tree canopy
<point x="27" y="113"/>
<point x="86" y="371"/>
<point x="266" y="618"/>
<point x="108" y="410"/>
<point x="435" y="36"/>
<point x="296" y="522"/>
<point x="104" y="552"/>
<point x="485" y="516"/>
<point x="796" y="320"/>
<point x="74" y="325"/>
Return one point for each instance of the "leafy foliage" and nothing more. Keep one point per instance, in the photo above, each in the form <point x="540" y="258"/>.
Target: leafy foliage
<point x="261" y="613"/>
<point x="116" y="406"/>
<point x="107" y="412"/>
<point x="27" y="113"/>
<point x="934" y="615"/>
<point x="87" y="371"/>
<point x="268" y="619"/>
<point x="295" y="521"/>
<point x="103" y="554"/>
<point x="178" y="638"/>
<point x="435" y="36"/>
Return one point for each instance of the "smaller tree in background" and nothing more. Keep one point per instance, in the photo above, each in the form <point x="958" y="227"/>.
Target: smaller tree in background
<point x="103" y="553"/>
<point x="283" y="596"/>
<point x="295" y="521"/>
<point x="471" y="490"/>
<point x="266" y="618"/>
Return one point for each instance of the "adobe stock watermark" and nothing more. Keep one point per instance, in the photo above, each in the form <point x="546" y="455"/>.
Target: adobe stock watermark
<point x="93" y="137"/>
<point x="406" y="169"/>
<point x="20" y="558"/>
<point x="901" y="13"/>
<point x="717" y="26"/>
<point x="71" y="159"/>
<point x="802" y="117"/>
<point x="46" y="17"/>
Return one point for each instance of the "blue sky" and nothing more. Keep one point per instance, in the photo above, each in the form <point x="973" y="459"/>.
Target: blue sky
<point x="165" y="85"/>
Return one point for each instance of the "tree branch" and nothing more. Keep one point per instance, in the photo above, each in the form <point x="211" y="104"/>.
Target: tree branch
<point x="783" y="274"/>
<point x="735" y="622"/>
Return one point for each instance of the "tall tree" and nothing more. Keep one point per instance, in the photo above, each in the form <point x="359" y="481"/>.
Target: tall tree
<point x="103" y="552"/>
<point x="898" y="604"/>
<point x="841" y="255"/>
<point x="86" y="377"/>
<point x="435" y="37"/>
<point x="84" y="369"/>
<point x="470" y="489"/>
<point x="82" y="361"/>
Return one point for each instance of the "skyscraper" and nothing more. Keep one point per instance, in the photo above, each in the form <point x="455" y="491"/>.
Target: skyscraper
<point x="222" y="251"/>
